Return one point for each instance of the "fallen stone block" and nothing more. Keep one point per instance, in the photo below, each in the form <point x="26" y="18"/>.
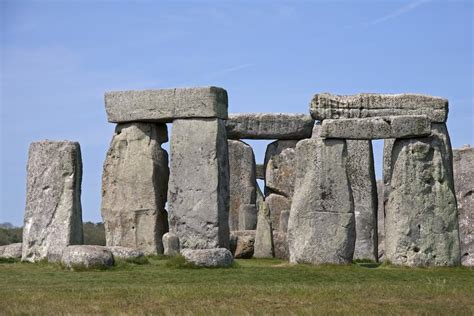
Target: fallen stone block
<point x="170" y="244"/>
<point x="269" y="126"/>
<point x="377" y="128"/>
<point x="209" y="258"/>
<point x="165" y="105"/>
<point x="87" y="257"/>
<point x="125" y="253"/>
<point x="11" y="251"/>
<point x="329" y="106"/>
<point x="242" y="243"/>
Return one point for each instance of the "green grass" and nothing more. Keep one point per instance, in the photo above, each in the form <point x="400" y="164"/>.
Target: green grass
<point x="167" y="286"/>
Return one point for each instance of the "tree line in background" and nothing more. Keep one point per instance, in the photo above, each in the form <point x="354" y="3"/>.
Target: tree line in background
<point x="94" y="234"/>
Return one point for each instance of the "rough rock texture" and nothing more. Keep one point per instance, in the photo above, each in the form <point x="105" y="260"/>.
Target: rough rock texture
<point x="421" y="222"/>
<point x="280" y="245"/>
<point x="463" y="162"/>
<point x="269" y="126"/>
<point x="12" y="251"/>
<point x="264" y="234"/>
<point x="134" y="187"/>
<point x="360" y="167"/>
<point x="276" y="205"/>
<point x="242" y="180"/>
<point x="165" y="105"/>
<point x="321" y="227"/>
<point x="381" y="220"/>
<point x="280" y="169"/>
<point x="284" y="217"/>
<point x="85" y="256"/>
<point x="377" y="127"/>
<point x="170" y="244"/>
<point x="260" y="198"/>
<point x="260" y="172"/>
<point x="242" y="243"/>
<point x="53" y="214"/>
<point x="125" y="253"/>
<point x="198" y="195"/>
<point x="328" y="106"/>
<point x="210" y="258"/>
<point x="248" y="217"/>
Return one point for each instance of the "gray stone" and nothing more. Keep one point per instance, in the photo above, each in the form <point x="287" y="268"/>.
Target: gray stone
<point x="134" y="187"/>
<point x="242" y="243"/>
<point x="260" y="198"/>
<point x="284" y="217"/>
<point x="165" y="105"/>
<point x="209" y="258"/>
<point x="280" y="168"/>
<point x="280" y="245"/>
<point x="264" y="234"/>
<point x="260" y="172"/>
<point x="53" y="214"/>
<point x="321" y="227"/>
<point x="125" y="253"/>
<point x="328" y="106"/>
<point x="316" y="134"/>
<point x="248" y="217"/>
<point x="170" y="244"/>
<point x="380" y="220"/>
<point x="269" y="126"/>
<point x="276" y="205"/>
<point x="360" y="167"/>
<point x="242" y="180"/>
<point x="198" y="195"/>
<point x="421" y="222"/>
<point x="387" y="167"/>
<point x="88" y="257"/>
<point x="463" y="162"/>
<point x="11" y="251"/>
<point x="377" y="127"/>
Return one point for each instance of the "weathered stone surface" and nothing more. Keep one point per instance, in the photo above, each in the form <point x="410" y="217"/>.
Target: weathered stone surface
<point x="280" y="164"/>
<point x="463" y="162"/>
<point x="284" y="217"/>
<point x="260" y="172"/>
<point x="11" y="251"/>
<point x="248" y="217"/>
<point x="421" y="222"/>
<point x="260" y="198"/>
<point x="165" y="105"/>
<point x="328" y="106"/>
<point x="170" y="244"/>
<point x="242" y="180"/>
<point x="210" y="258"/>
<point x="377" y="127"/>
<point x="269" y="126"/>
<point x="53" y="214"/>
<point x="276" y="204"/>
<point x="387" y="167"/>
<point x="134" y="187"/>
<point x="198" y="195"/>
<point x="125" y="253"/>
<point x="321" y="227"/>
<point x="280" y="245"/>
<point x="264" y="234"/>
<point x="316" y="134"/>
<point x="85" y="256"/>
<point x="361" y="171"/>
<point x="242" y="243"/>
<point x="380" y="220"/>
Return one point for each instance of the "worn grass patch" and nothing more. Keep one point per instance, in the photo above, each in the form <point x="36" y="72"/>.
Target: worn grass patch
<point x="253" y="287"/>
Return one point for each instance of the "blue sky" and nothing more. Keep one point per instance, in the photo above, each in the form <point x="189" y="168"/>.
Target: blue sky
<point x="58" y="58"/>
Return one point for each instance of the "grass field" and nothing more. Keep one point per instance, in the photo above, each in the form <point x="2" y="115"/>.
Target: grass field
<point x="251" y="287"/>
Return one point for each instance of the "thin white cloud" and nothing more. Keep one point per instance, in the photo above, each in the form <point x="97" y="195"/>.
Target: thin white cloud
<point x="400" y="11"/>
<point x="228" y="70"/>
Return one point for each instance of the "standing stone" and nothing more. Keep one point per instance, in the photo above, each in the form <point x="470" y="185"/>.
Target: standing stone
<point x="381" y="220"/>
<point x="280" y="245"/>
<point x="321" y="227"/>
<point x="198" y="195"/>
<point x="463" y="162"/>
<point x="53" y="214"/>
<point x="134" y="186"/>
<point x="170" y="244"/>
<point x="421" y="222"/>
<point x="260" y="198"/>
<point x="280" y="168"/>
<point x="387" y="166"/>
<point x="276" y="205"/>
<point x="260" y="172"/>
<point x="242" y="180"/>
<point x="264" y="234"/>
<point x="248" y="217"/>
<point x="364" y="190"/>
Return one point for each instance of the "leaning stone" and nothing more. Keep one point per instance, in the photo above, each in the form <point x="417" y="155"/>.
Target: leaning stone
<point x="276" y="205"/>
<point x="242" y="243"/>
<point x="377" y="128"/>
<point x="463" y="162"/>
<point x="209" y="258"/>
<point x="88" y="257"/>
<point x="242" y="181"/>
<point x="421" y="221"/>
<point x="328" y="106"/>
<point x="248" y="217"/>
<point x="321" y="227"/>
<point x="269" y="126"/>
<point x="53" y="214"/>
<point x="260" y="172"/>
<point x="361" y="172"/>
<point x="134" y="187"/>
<point x="380" y="220"/>
<point x="125" y="253"/>
<point x="170" y="244"/>
<point x="280" y="168"/>
<point x="264" y="234"/>
<point x="11" y="251"/>
<point x="165" y="105"/>
<point x="198" y="195"/>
